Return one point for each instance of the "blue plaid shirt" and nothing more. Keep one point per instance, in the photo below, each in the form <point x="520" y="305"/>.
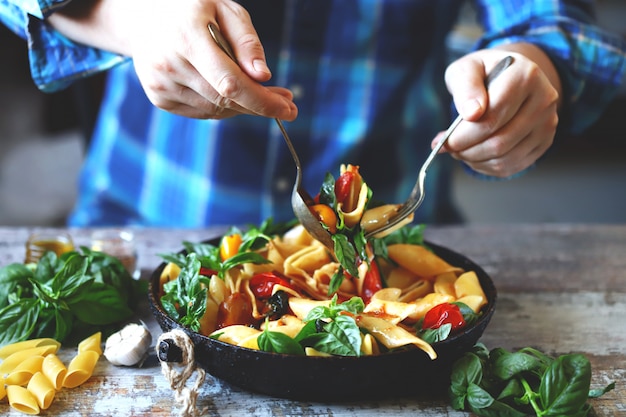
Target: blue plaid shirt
<point x="368" y="80"/>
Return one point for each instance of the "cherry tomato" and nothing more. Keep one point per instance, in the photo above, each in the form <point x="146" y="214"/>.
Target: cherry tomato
<point x="343" y="186"/>
<point x="235" y="309"/>
<point x="229" y="246"/>
<point x="207" y="272"/>
<point x="371" y="283"/>
<point x="325" y="215"/>
<point x="443" y="314"/>
<point x="263" y="283"/>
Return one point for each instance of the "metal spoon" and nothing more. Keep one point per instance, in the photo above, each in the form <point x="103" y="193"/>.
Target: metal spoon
<point x="417" y="194"/>
<point x="300" y="198"/>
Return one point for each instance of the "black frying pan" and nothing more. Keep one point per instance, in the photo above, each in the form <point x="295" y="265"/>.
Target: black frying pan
<point x="401" y="373"/>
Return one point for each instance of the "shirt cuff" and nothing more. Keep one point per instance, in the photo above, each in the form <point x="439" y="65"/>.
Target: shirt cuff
<point x="56" y="61"/>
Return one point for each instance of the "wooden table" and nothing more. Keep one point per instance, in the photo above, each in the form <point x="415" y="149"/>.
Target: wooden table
<point x="562" y="288"/>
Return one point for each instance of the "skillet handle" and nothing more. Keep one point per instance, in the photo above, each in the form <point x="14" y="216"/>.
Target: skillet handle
<point x="169" y="351"/>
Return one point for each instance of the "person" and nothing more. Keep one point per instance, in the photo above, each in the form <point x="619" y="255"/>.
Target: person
<point x="356" y="81"/>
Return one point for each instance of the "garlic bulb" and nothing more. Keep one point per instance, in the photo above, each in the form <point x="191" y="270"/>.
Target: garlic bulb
<point x="128" y="346"/>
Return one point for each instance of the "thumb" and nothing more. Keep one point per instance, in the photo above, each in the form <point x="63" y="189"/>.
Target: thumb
<point x="465" y="79"/>
<point x="246" y="50"/>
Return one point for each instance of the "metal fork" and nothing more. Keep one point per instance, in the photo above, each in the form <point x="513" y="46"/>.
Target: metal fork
<point x="417" y="194"/>
<point x="300" y="198"/>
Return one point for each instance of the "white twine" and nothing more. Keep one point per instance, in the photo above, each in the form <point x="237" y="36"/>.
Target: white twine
<point x="178" y="375"/>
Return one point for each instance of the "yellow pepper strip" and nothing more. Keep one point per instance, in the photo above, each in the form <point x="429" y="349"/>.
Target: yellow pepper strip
<point x="230" y="246"/>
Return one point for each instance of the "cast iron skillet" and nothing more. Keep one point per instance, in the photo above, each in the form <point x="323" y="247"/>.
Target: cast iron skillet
<point x="402" y="373"/>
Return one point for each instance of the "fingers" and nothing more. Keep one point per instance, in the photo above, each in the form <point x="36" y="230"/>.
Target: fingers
<point x="518" y="123"/>
<point x="184" y="71"/>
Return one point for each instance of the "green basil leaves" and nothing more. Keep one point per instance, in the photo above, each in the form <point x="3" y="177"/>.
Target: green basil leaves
<point x="521" y="383"/>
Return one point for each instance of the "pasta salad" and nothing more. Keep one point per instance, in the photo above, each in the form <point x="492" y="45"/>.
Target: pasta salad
<point x="277" y="289"/>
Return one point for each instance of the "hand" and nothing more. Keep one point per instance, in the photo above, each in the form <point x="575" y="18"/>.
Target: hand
<point x="183" y="71"/>
<point x="506" y="129"/>
<point x="180" y="67"/>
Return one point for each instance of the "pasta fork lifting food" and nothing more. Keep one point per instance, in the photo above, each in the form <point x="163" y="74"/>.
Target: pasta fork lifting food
<point x="399" y="213"/>
<point x="301" y="200"/>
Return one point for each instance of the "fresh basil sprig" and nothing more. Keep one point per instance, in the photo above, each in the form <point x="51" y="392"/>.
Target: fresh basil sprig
<point x="65" y="296"/>
<point x="331" y="330"/>
<point x="521" y="383"/>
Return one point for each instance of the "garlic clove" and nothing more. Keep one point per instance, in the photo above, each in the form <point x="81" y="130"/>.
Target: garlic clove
<point x="129" y="346"/>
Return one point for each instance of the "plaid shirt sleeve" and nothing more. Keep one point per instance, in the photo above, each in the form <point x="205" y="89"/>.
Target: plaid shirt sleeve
<point x="55" y="60"/>
<point x="590" y="61"/>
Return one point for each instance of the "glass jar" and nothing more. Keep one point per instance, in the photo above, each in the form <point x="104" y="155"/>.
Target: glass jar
<point x="118" y="243"/>
<point x="42" y="241"/>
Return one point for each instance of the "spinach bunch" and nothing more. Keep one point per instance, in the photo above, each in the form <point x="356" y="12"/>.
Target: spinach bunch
<point x="525" y="382"/>
<point x="331" y="330"/>
<point x="71" y="295"/>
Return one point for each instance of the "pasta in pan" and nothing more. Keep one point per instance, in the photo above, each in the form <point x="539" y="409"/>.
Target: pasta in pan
<point x="366" y="298"/>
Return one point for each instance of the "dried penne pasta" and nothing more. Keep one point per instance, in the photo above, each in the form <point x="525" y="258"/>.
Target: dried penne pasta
<point x="22" y="373"/>
<point x="18" y="357"/>
<point x="3" y="390"/>
<point x="80" y="368"/>
<point x="6" y="351"/>
<point x="22" y="400"/>
<point x="54" y="370"/>
<point x="42" y="390"/>
<point x="93" y="342"/>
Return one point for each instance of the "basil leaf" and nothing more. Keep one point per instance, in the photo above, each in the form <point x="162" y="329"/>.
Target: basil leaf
<point x="278" y="342"/>
<point x="565" y="385"/>
<point x="595" y="393"/>
<point x="101" y="305"/>
<point x="327" y="191"/>
<point x="346" y="254"/>
<point x="436" y="335"/>
<point x="506" y="365"/>
<point x="18" y="320"/>
<point x="11" y="276"/>
<point x="468" y="369"/>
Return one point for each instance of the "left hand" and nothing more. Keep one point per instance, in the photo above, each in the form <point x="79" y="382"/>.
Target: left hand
<point x="507" y="128"/>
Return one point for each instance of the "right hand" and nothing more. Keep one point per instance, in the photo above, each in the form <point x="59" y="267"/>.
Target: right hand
<point x="183" y="70"/>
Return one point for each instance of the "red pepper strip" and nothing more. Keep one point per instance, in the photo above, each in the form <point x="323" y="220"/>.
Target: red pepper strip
<point x="443" y="314"/>
<point x="263" y="283"/>
<point x="371" y="283"/>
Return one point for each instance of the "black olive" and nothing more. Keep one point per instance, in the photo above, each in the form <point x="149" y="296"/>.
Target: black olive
<point x="277" y="305"/>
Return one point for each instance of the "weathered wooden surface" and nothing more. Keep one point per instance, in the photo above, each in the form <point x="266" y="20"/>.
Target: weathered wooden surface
<point x="562" y="288"/>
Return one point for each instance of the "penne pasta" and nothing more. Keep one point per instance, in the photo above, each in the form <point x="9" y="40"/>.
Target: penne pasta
<point x="3" y="390"/>
<point x="419" y="260"/>
<point x="6" y="351"/>
<point x="80" y="368"/>
<point x="22" y="400"/>
<point x="54" y="370"/>
<point x="22" y="373"/>
<point x="93" y="342"/>
<point x="41" y="388"/>
<point x="9" y="364"/>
